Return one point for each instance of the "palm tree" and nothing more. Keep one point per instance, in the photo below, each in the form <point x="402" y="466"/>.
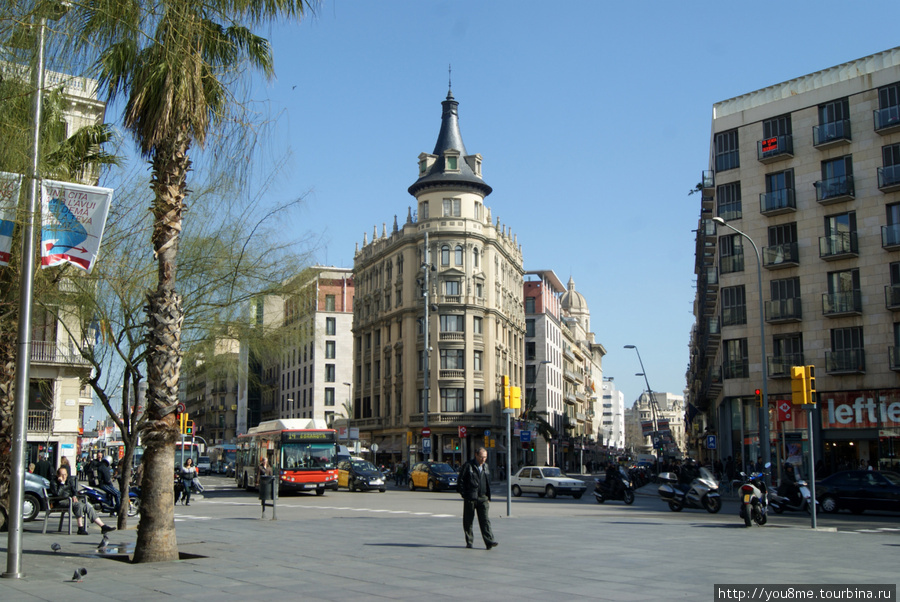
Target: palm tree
<point x="170" y="60"/>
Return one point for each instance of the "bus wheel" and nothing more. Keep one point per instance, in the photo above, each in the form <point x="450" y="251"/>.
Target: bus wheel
<point x="245" y="483"/>
<point x="320" y="491"/>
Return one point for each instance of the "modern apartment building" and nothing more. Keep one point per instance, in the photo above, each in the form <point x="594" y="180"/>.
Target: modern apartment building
<point x="612" y="416"/>
<point x="452" y="272"/>
<point x="809" y="170"/>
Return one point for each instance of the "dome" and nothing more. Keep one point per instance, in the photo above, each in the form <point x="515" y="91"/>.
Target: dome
<point x="572" y="301"/>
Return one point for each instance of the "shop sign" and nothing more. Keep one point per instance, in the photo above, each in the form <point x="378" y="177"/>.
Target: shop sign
<point x="860" y="409"/>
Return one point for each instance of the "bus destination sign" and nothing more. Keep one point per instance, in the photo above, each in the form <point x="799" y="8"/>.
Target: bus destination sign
<point x="308" y="436"/>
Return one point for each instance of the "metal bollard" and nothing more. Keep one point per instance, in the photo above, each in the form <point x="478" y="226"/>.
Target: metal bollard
<point x="268" y="491"/>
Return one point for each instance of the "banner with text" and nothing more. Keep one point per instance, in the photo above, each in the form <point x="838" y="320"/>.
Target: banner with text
<point x="9" y="199"/>
<point x="73" y="217"/>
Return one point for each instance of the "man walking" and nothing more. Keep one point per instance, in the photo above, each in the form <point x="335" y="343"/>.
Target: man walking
<point x="474" y="485"/>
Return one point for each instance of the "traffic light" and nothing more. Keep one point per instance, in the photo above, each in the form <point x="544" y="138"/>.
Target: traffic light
<point x="515" y="397"/>
<point x="811" y="383"/>
<point x="506" y="392"/>
<point x="800" y="385"/>
<point x="759" y="399"/>
<point x="188" y="427"/>
<point x="456" y="445"/>
<point x="182" y="423"/>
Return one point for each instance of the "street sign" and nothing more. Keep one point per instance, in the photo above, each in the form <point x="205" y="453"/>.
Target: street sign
<point x="426" y="445"/>
<point x="487" y="433"/>
<point x="784" y="411"/>
<point x="462" y="431"/>
<point x="374" y="447"/>
<point x="710" y="442"/>
<point x="525" y="436"/>
<point x="426" y="432"/>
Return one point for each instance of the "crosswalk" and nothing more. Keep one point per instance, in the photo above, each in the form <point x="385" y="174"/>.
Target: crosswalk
<point x="185" y="517"/>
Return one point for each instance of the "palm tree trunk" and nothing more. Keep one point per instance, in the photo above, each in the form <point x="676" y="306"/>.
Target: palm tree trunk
<point x="156" y="529"/>
<point x="7" y="405"/>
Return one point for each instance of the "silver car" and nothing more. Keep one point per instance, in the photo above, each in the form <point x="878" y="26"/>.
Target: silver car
<point x="35" y="496"/>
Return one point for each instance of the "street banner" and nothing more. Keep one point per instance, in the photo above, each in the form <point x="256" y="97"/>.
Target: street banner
<point x="9" y="199"/>
<point x="647" y="427"/>
<point x="662" y="425"/>
<point x="73" y="218"/>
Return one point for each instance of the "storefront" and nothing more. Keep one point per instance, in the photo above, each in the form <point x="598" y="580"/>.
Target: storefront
<point x="860" y="428"/>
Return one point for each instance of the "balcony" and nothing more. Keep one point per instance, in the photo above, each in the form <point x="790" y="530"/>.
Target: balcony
<point x="847" y="303"/>
<point x="780" y="311"/>
<point x="845" y="361"/>
<point x="774" y="149"/>
<point x="838" y="246"/>
<point x="730" y="211"/>
<point x="708" y="180"/>
<point x="52" y="352"/>
<point x="452" y="336"/>
<point x="731" y="263"/>
<point x="835" y="190"/>
<point x="890" y="237"/>
<point x="777" y="202"/>
<point x="454" y="374"/>
<point x="893" y="360"/>
<point x="780" y="365"/>
<point x="887" y="120"/>
<point x="831" y="134"/>
<point x="889" y="178"/>
<point x="786" y="255"/>
<point x="39" y="421"/>
<point x="892" y="297"/>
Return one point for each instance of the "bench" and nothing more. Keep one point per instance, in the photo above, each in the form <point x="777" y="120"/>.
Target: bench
<point x="62" y="510"/>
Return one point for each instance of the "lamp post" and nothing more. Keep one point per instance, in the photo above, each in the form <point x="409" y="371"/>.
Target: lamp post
<point x="654" y="408"/>
<point x="427" y="268"/>
<point x="764" y="407"/>
<point x="349" y="409"/>
<point x="46" y="12"/>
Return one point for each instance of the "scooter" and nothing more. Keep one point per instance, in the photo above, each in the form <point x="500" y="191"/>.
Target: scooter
<point x="780" y="503"/>
<point x="703" y="492"/>
<point x="754" y="498"/>
<point x="603" y="490"/>
<point x="101" y="501"/>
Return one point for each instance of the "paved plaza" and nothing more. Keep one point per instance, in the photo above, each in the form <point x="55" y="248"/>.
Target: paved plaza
<point x="406" y="545"/>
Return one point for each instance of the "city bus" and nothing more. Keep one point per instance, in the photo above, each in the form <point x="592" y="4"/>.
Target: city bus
<point x="223" y="457"/>
<point x="187" y="448"/>
<point x="300" y="453"/>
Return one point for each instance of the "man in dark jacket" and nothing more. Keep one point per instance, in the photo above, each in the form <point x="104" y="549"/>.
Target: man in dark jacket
<point x="105" y="481"/>
<point x="474" y="485"/>
<point x="62" y="494"/>
<point x="43" y="468"/>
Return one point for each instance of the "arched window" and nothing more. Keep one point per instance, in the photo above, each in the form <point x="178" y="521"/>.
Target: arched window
<point x="459" y="255"/>
<point x="445" y="255"/>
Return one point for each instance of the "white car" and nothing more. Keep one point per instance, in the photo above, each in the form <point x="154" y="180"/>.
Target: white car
<point x="546" y="481"/>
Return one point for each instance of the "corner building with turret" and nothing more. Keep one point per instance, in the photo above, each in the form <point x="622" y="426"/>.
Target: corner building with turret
<point x="470" y="275"/>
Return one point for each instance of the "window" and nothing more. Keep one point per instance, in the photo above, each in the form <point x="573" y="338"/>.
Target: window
<point x="451" y="287"/>
<point x="478" y="361"/>
<point x="451" y="206"/>
<point x="453" y="359"/>
<point x="377" y="369"/>
<point x="329" y="373"/>
<point x="834" y="122"/>
<point x="844" y="294"/>
<point x="330" y="350"/>
<point x="453" y="323"/>
<point x="329" y="396"/>
<point x="785" y="299"/>
<point x="478" y="325"/>
<point x="475" y="254"/>
<point x="422" y="360"/>
<point x="734" y="306"/>
<point x="731" y="253"/>
<point x="398" y="362"/>
<point x="847" y="352"/>
<point x="530" y="350"/>
<point x="890" y="173"/>
<point x="888" y="113"/>
<point x="529" y="327"/>
<point x="837" y="179"/>
<point x="445" y="255"/>
<point x="890" y="234"/>
<point x="479" y="290"/>
<point x="453" y="163"/>
<point x="421" y="401"/>
<point x="779" y="191"/>
<point x="423" y="210"/>
<point x="777" y="126"/>
<point x="727" y="151"/>
<point x="329" y="302"/>
<point x="530" y="374"/>
<point x="736" y="364"/>
<point x="728" y="201"/>
<point x="529" y="305"/>
<point x="477" y="396"/>
<point x="330" y="326"/>
<point x="453" y="400"/>
<point x="458" y="252"/>
<point x="840" y="235"/>
<point x="368" y="372"/>
<point x="788" y="352"/>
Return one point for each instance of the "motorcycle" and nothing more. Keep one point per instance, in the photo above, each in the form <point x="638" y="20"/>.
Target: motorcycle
<point x="603" y="491"/>
<point x="780" y="501"/>
<point x="101" y="501"/>
<point x="703" y="492"/>
<point x="754" y="498"/>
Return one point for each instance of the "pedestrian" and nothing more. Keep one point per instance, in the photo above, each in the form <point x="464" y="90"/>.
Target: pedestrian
<point x="64" y="488"/>
<point x="65" y="462"/>
<point x="188" y="474"/>
<point x="31" y="467"/>
<point x="43" y="468"/>
<point x="474" y="484"/>
<point x="93" y="469"/>
<point x="398" y="474"/>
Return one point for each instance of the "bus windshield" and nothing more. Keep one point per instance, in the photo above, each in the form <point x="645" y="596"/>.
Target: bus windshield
<point x="306" y="456"/>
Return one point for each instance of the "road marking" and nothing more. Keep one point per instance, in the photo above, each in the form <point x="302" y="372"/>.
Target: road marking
<point x="343" y="508"/>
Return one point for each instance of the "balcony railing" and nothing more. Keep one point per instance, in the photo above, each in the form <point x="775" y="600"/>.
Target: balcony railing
<point x="838" y="245"/>
<point x="458" y="374"/>
<point x="889" y="178"/>
<point x="775" y="148"/>
<point x="731" y="263"/>
<point x="846" y="361"/>
<point x="842" y="304"/>
<point x="452" y="336"/>
<point x="777" y="201"/>
<point x="828" y="134"/>
<point x="52" y="352"/>
<point x="708" y="179"/>
<point x="730" y="211"/>
<point x="893" y="360"/>
<point x="833" y="190"/>
<point x="733" y="316"/>
<point x="784" y="310"/>
<point x="39" y="421"/>
<point x="781" y="256"/>
<point x="887" y="119"/>
<point x="890" y="236"/>
<point x="780" y="365"/>
<point x="892" y="297"/>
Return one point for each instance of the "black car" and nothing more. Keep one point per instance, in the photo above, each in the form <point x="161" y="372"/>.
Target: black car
<point x="436" y="476"/>
<point x="859" y="490"/>
<point x="360" y="475"/>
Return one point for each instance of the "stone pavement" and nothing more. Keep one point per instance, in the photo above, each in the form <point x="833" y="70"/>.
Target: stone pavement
<point x="547" y="552"/>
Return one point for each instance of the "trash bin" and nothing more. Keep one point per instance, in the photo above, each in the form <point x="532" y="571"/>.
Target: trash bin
<point x="268" y="490"/>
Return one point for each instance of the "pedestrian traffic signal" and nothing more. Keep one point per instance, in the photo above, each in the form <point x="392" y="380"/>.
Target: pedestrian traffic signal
<point x="456" y="444"/>
<point x="759" y="399"/>
<point x="189" y="427"/>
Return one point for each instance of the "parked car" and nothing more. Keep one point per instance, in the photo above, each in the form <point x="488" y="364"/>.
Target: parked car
<point x="436" y="476"/>
<point x="358" y="474"/>
<point x="35" y="496"/>
<point x="859" y="490"/>
<point x="546" y="481"/>
<point x="204" y="466"/>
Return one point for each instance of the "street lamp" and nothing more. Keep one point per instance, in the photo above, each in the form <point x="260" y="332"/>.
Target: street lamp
<point x="654" y="407"/>
<point x="764" y="407"/>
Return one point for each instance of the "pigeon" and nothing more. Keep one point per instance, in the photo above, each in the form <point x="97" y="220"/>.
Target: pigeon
<point x="55" y="547"/>
<point x="79" y="573"/>
<point x="103" y="542"/>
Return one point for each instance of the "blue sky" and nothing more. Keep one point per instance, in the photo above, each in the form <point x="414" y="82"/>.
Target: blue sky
<point x="593" y="119"/>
